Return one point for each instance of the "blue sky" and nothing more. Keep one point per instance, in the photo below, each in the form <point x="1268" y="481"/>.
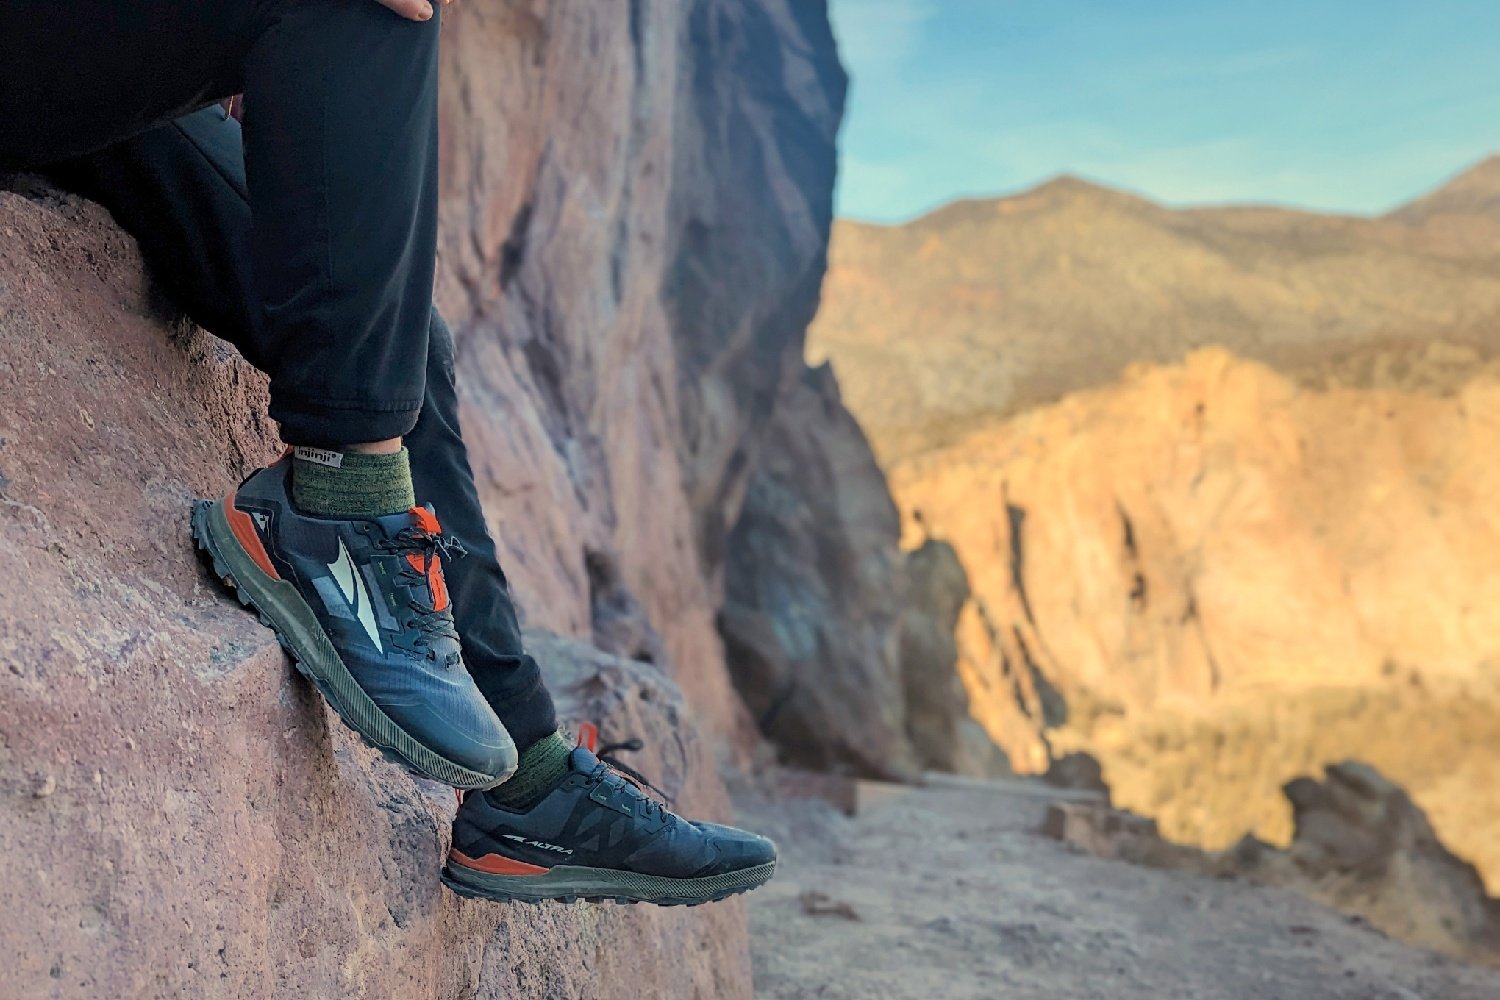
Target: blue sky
<point x="1338" y="105"/>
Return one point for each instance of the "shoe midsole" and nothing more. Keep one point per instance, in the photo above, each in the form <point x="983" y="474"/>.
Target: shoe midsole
<point x="316" y="657"/>
<point x="576" y="880"/>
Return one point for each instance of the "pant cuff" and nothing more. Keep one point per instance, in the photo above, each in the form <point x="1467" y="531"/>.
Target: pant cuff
<point x="524" y="705"/>
<point x="333" y="427"/>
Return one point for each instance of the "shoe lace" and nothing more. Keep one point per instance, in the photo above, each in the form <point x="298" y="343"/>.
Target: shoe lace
<point x="643" y="784"/>
<point x="415" y="540"/>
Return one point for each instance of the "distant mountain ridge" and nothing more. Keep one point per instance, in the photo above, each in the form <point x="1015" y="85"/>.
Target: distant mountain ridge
<point x="987" y="306"/>
<point x="1476" y="191"/>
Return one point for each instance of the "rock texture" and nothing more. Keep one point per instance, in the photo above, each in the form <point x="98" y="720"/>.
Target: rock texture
<point x="1215" y="580"/>
<point x="815" y="592"/>
<point x="1360" y="845"/>
<point x="636" y="200"/>
<point x="631" y="259"/>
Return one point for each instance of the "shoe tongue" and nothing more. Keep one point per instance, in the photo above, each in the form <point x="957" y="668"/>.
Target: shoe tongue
<point x="582" y="760"/>
<point x="426" y="518"/>
<point x="421" y="518"/>
<point x="422" y="556"/>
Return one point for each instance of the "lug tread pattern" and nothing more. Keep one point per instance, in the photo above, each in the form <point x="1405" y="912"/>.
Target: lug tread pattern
<point x="617" y="886"/>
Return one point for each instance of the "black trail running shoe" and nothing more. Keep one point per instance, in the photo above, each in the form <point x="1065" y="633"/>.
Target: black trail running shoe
<point x="362" y="607"/>
<point x="597" y="836"/>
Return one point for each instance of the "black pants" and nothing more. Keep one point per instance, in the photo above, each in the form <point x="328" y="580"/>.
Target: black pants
<point x="330" y="290"/>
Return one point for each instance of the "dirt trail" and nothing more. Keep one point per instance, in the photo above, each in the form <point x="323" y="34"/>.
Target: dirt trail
<point x="951" y="893"/>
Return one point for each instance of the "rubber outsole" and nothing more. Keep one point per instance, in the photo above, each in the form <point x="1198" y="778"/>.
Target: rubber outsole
<point x="281" y="608"/>
<point x="570" y="883"/>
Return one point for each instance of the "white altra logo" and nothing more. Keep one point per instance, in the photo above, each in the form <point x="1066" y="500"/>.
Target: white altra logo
<point x="537" y="843"/>
<point x="352" y="586"/>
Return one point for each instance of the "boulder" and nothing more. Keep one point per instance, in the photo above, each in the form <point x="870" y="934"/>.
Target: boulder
<point x="1369" y="849"/>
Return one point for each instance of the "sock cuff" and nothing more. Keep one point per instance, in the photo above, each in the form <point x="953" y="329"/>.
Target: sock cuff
<point x="542" y="766"/>
<point x="351" y="484"/>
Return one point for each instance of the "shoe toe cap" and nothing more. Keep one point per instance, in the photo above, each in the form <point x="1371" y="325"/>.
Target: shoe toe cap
<point x="472" y="739"/>
<point x="737" y="849"/>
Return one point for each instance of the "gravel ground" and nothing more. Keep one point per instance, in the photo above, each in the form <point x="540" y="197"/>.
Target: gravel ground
<point x="951" y="893"/>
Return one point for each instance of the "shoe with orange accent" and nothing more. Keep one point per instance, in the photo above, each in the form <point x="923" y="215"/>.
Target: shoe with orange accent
<point x="597" y="836"/>
<point x="362" y="607"/>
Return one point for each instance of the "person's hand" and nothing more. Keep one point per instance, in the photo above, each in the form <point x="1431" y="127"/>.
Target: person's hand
<point x="412" y="10"/>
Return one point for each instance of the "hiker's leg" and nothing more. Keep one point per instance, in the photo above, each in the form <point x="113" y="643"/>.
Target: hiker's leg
<point x="341" y="149"/>
<point x="180" y="190"/>
<point x="482" y="604"/>
<point x="341" y="159"/>
<point x="77" y="76"/>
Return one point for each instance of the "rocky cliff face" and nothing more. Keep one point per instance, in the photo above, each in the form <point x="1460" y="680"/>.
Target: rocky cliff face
<point x="182" y="817"/>
<point x="636" y="199"/>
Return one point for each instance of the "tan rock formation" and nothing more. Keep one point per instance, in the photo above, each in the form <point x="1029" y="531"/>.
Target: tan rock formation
<point x="1215" y="580"/>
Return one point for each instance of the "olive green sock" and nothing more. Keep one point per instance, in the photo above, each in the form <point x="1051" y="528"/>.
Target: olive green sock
<point x="542" y="766"/>
<point x="351" y="484"/>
